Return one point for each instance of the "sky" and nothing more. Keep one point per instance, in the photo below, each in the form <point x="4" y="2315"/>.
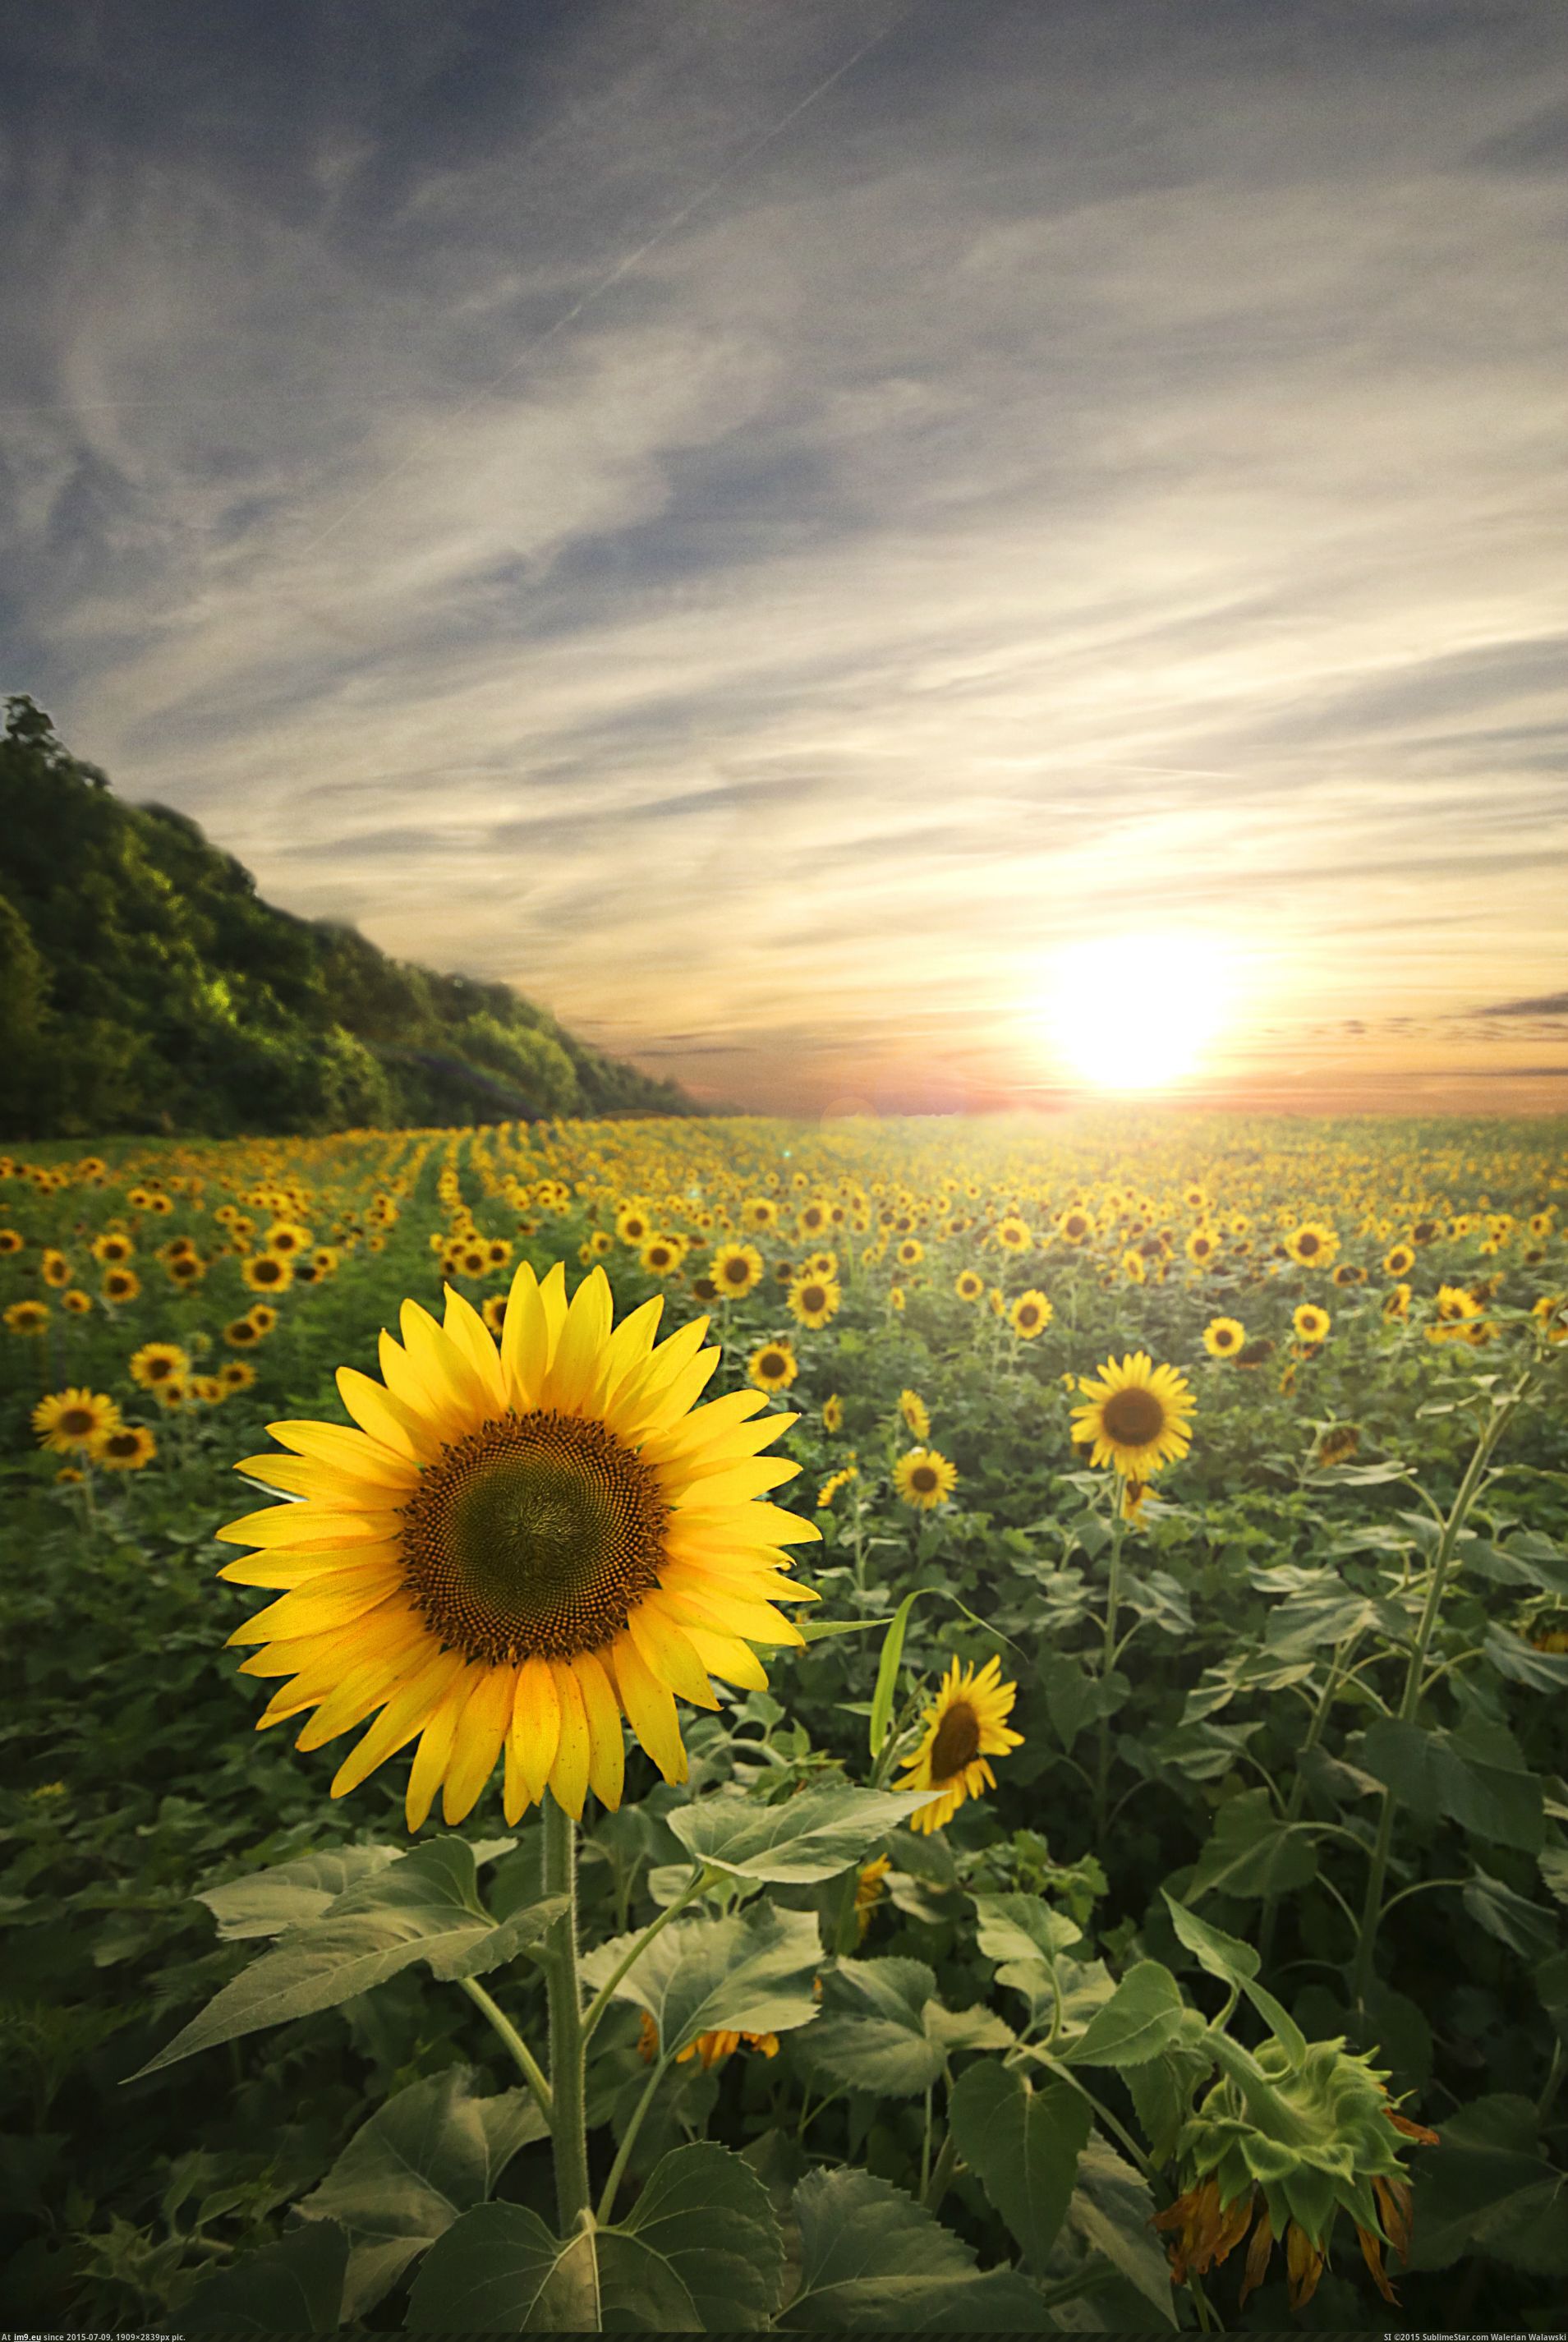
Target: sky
<point x="770" y="526"/>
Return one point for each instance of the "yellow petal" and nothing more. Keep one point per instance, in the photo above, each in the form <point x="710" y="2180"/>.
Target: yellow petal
<point x="524" y="1340"/>
<point x="430" y="1759"/>
<point x="456" y="1391"/>
<point x="630" y="1344"/>
<point x="639" y="1403"/>
<point x="536" y="1722"/>
<point x="384" y="1418"/>
<point x="726" y="1656"/>
<point x="737" y="1484"/>
<point x="606" y="1743"/>
<point x="569" y="1773"/>
<point x="405" y="1714"/>
<point x="662" y="1402"/>
<point x="467" y="1332"/>
<point x="477" y="1745"/>
<point x="711" y="1427"/>
<point x="578" y="1365"/>
<point x="306" y="1525"/>
<point x="349" y="1451"/>
<point x="650" y="1710"/>
<point x="514" y="1798"/>
<point x="304" y="1613"/>
<point x="756" y="1621"/>
<point x="668" y="1656"/>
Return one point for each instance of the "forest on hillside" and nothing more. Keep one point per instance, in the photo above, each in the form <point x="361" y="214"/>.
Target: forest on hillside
<point x="145" y="987"/>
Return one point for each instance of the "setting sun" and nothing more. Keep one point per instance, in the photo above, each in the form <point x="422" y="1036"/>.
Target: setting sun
<point x="1139" y="1012"/>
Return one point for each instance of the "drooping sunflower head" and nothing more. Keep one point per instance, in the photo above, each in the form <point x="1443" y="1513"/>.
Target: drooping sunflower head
<point x="966" y="1724"/>
<point x="519" y="1547"/>
<point x="1135" y="1416"/>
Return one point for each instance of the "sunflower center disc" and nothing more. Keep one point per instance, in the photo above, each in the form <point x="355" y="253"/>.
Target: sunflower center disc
<point x="957" y="1742"/>
<point x="538" y="1532"/>
<point x="1133" y="1418"/>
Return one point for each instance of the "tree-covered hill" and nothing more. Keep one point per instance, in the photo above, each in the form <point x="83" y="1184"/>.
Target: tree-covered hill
<point x="144" y="986"/>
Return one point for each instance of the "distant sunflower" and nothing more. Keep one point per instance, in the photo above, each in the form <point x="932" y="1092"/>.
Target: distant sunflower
<point x="1396" y="1302"/>
<point x="736" y="1268"/>
<point x="1312" y="1244"/>
<point x="127" y="1448"/>
<point x="267" y="1272"/>
<point x="238" y="1375"/>
<point x="662" y="1256"/>
<point x="1224" y="1336"/>
<point x="910" y="1253"/>
<point x="1013" y="1235"/>
<point x="121" y="1285"/>
<point x="263" y="1317"/>
<point x="969" y="1285"/>
<point x="54" y="1268"/>
<point x="915" y="1413"/>
<point x="1136" y="1415"/>
<point x="1202" y="1247"/>
<point x="159" y="1362"/>
<point x="966" y="1724"/>
<point x="515" y="1548"/>
<point x="833" y="1413"/>
<point x="924" y="1479"/>
<point x="1030" y="1315"/>
<point x="1312" y="1324"/>
<point x="78" y="1302"/>
<point x="26" y="1316"/>
<point x="1399" y="1260"/>
<point x="73" y="1419"/>
<point x="1074" y="1227"/>
<point x="10" y="1241"/>
<point x="773" y="1367"/>
<point x="112" y="1248"/>
<point x="812" y="1300"/>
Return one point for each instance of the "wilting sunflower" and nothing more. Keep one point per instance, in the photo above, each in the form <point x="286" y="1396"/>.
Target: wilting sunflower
<point x="1030" y="1315"/>
<point x="267" y="1272"/>
<point x="1312" y="1244"/>
<point x="1312" y="1324"/>
<point x="812" y="1300"/>
<point x="125" y="1449"/>
<point x="515" y="1548"/>
<point x="736" y="1267"/>
<point x="73" y="1419"/>
<point x="159" y="1362"/>
<point x="1224" y="1336"/>
<point x="924" y="1479"/>
<point x="966" y="1724"/>
<point x="773" y="1367"/>
<point x="1136" y="1415"/>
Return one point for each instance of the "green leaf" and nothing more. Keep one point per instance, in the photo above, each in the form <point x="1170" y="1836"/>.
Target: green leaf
<point x="1111" y="2210"/>
<point x="292" y="1894"/>
<point x="1489" y="2189"/>
<point x="872" y="2033"/>
<point x="294" y="2286"/>
<point x="751" y="1973"/>
<point x="813" y="1836"/>
<point x="423" y="2159"/>
<point x="1250" y="1852"/>
<point x="1023" y="2144"/>
<point x="499" y="2270"/>
<point x="1144" y="2016"/>
<point x="1520" y="1661"/>
<point x="424" y="1907"/>
<point x="1023" y="1927"/>
<point x="873" y="2261"/>
<point x="1512" y="1919"/>
<point x="700" y="2241"/>
<point x="1069" y="1700"/>
<point x="886" y="1690"/>
<point x="1223" y="1955"/>
<point x="1434" y="1774"/>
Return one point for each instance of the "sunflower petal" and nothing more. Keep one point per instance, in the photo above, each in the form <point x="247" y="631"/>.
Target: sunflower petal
<point x="569" y="1773"/>
<point x="536" y="1722"/>
<point x="606" y="1741"/>
<point x="650" y="1709"/>
<point x="668" y="1656"/>
<point x="480" y="1732"/>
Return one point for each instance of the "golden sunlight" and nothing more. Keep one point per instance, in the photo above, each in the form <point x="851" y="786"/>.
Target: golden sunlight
<point x="1139" y="1012"/>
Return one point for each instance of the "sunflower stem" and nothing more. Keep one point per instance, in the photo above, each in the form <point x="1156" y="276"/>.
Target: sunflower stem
<point x="567" y="2057"/>
<point x="1107" y="1661"/>
<point x="602" y="1999"/>
<point x="523" y="2057"/>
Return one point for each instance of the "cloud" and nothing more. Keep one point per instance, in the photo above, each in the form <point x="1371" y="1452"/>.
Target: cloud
<point x="1086" y="471"/>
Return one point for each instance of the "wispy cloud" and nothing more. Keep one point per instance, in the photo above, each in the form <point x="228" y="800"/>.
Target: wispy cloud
<point x="1078" y="469"/>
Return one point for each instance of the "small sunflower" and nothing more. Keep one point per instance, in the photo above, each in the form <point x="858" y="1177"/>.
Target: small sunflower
<point x="78" y="1303"/>
<point x="662" y="1256"/>
<point x="1136" y="1415"/>
<point x="1396" y="1302"/>
<point x="812" y="1300"/>
<point x="911" y="1252"/>
<point x="915" y="1413"/>
<point x="112" y="1249"/>
<point x="1224" y="1336"/>
<point x="924" y="1479"/>
<point x="26" y="1316"/>
<point x="736" y="1267"/>
<point x="1312" y="1244"/>
<point x="969" y="1285"/>
<point x="73" y="1419"/>
<point x="1312" y="1324"/>
<point x="128" y="1449"/>
<point x="159" y="1362"/>
<point x="833" y="1413"/>
<point x="1015" y="1234"/>
<point x="267" y="1272"/>
<point x="1202" y="1247"/>
<point x="263" y="1316"/>
<point x="516" y="1549"/>
<point x="1030" y="1315"/>
<point x="773" y="1367"/>
<point x="966" y="1724"/>
<point x="121" y="1285"/>
<point x="1074" y="1227"/>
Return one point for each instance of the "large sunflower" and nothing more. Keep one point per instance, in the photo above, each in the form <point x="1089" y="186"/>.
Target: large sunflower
<point x="517" y="1547"/>
<point x="1136" y="1415"/>
<point x="966" y="1723"/>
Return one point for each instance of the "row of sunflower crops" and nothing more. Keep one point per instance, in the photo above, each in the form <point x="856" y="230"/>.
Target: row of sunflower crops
<point x="939" y="1725"/>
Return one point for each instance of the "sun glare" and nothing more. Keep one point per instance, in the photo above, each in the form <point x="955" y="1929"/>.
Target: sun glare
<point x="1139" y="1012"/>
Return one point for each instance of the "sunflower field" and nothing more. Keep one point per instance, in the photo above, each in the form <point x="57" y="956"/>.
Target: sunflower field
<point x="941" y="1725"/>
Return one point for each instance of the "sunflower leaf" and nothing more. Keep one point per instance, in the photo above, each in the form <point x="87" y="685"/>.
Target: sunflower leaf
<point x="499" y="2270"/>
<point x="810" y="1837"/>
<point x="1144" y="2016"/>
<point x="750" y="1973"/>
<point x="425" y="1906"/>
<point x="873" y="2261"/>
<point x="1023" y="2144"/>
<point x="702" y="2233"/>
